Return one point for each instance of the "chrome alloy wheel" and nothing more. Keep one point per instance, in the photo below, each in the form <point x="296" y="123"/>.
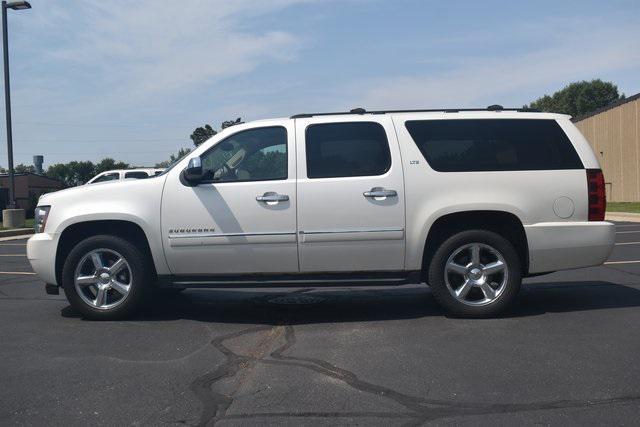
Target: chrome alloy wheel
<point x="103" y="279"/>
<point x="476" y="274"/>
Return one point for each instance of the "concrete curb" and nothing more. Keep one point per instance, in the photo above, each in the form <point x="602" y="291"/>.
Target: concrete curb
<point x="16" y="232"/>
<point x="622" y="216"/>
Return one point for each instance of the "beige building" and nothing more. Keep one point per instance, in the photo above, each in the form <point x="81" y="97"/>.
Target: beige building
<point x="614" y="134"/>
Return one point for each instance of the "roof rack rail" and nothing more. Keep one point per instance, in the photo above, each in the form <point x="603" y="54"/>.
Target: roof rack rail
<point x="359" y="110"/>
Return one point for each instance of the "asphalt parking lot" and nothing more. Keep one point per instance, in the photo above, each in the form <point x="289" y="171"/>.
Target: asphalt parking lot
<point x="568" y="353"/>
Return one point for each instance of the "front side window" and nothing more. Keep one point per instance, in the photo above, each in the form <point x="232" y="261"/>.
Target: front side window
<point x="107" y="177"/>
<point x="251" y="155"/>
<point x="347" y="149"/>
<point x="475" y="145"/>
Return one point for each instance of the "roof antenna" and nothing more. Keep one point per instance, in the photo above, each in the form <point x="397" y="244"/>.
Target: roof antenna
<point x="358" y="110"/>
<point x="495" y="107"/>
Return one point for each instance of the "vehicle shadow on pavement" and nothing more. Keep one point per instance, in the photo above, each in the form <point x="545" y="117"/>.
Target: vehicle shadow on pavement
<point x="561" y="297"/>
<point x="337" y="305"/>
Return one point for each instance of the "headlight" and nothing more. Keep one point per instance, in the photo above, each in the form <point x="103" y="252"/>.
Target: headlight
<point x="40" y="218"/>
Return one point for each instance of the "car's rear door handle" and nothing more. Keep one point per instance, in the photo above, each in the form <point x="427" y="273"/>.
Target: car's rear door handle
<point x="380" y="192"/>
<point x="271" y="196"/>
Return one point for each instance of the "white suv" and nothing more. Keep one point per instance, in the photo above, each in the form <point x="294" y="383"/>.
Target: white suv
<point x="468" y="201"/>
<point x="118" y="174"/>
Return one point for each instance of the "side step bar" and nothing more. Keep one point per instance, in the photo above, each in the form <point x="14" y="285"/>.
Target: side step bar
<point x="295" y="280"/>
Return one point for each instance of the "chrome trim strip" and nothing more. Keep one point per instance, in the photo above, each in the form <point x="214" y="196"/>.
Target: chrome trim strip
<point x="197" y="236"/>
<point x="377" y="230"/>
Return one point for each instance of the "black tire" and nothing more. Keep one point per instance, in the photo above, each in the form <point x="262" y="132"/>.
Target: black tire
<point x="141" y="281"/>
<point x="438" y="284"/>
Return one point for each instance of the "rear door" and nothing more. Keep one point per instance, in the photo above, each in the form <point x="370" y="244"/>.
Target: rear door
<point x="350" y="195"/>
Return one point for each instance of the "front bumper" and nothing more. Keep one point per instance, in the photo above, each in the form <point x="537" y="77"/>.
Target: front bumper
<point x="565" y="245"/>
<point x="41" y="252"/>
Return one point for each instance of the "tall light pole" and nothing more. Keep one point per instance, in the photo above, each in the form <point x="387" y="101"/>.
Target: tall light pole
<point x="15" y="5"/>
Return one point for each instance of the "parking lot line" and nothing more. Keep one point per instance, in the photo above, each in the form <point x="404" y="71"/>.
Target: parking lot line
<point x="13" y="255"/>
<point x="28" y="273"/>
<point x="13" y="244"/>
<point x="627" y="232"/>
<point x="628" y="243"/>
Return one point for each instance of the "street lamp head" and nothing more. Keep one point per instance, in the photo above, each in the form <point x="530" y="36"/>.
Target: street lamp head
<point x="18" y="5"/>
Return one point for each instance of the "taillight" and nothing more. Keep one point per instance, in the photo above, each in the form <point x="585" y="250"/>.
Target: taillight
<point x="597" y="197"/>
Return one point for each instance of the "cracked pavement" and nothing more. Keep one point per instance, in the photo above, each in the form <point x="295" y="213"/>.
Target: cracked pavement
<point x="566" y="354"/>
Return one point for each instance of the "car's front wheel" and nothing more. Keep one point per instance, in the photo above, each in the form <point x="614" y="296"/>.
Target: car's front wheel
<point x="106" y="278"/>
<point x="475" y="273"/>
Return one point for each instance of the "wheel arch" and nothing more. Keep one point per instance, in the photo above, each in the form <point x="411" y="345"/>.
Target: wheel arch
<point x="76" y="232"/>
<point x="507" y="224"/>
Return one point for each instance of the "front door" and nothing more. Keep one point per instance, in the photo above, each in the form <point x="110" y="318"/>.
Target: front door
<point x="350" y="195"/>
<point x="242" y="218"/>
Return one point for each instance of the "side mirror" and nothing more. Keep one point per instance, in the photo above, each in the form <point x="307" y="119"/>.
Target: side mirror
<point x="192" y="174"/>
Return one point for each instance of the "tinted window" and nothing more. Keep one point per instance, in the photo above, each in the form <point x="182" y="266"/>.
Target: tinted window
<point x="347" y="149"/>
<point x="493" y="145"/>
<point x="136" y="175"/>
<point x="251" y="155"/>
<point x="107" y="177"/>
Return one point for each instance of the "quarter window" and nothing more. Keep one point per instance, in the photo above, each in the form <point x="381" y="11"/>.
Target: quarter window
<point x="475" y="145"/>
<point x="347" y="149"/>
<point x="251" y="155"/>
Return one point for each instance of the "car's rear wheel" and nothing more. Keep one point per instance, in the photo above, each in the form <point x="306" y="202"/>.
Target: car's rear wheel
<point x="106" y="278"/>
<point x="475" y="273"/>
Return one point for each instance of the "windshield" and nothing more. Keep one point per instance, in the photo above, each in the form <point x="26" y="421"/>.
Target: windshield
<point x="172" y="165"/>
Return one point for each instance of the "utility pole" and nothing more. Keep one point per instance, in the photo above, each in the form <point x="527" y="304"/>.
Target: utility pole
<point x="16" y="5"/>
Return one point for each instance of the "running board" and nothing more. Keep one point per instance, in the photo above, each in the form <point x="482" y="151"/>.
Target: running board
<point x="295" y="280"/>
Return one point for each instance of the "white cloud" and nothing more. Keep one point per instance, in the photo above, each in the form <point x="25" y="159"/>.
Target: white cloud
<point x="149" y="65"/>
<point x="122" y="71"/>
<point x="572" y="51"/>
<point x="153" y="47"/>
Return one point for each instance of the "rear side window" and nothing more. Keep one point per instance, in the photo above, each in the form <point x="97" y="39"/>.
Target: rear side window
<point x="136" y="175"/>
<point x="493" y="145"/>
<point x="347" y="149"/>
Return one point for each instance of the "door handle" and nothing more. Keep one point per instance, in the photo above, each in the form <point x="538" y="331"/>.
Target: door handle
<point x="271" y="196"/>
<point x="380" y="192"/>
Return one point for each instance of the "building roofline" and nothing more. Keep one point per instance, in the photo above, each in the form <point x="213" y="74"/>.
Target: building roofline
<point x="606" y="108"/>
<point x="6" y="175"/>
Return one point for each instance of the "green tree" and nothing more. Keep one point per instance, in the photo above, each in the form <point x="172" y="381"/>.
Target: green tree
<point x="82" y="171"/>
<point x="174" y="158"/>
<point x="265" y="165"/>
<point x="72" y="173"/>
<point x="22" y="168"/>
<point x="108" y="164"/>
<point x="201" y="134"/>
<point x="230" y="123"/>
<point x="579" y="98"/>
<point x="60" y="171"/>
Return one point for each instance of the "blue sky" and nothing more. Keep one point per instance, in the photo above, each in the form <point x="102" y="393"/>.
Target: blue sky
<point x="132" y="79"/>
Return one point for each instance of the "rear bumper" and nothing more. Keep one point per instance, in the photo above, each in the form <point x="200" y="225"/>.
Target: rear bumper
<point x="564" y="245"/>
<point x="41" y="252"/>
